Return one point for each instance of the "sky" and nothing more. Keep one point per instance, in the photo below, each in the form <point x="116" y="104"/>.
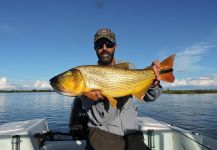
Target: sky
<point x="40" y="39"/>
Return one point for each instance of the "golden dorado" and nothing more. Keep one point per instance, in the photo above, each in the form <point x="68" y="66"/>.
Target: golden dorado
<point x="112" y="81"/>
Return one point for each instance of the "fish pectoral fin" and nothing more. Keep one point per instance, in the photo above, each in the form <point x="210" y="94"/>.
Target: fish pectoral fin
<point x="89" y="95"/>
<point x="112" y="101"/>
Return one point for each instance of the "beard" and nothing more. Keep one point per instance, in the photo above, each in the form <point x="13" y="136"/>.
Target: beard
<point x="105" y="58"/>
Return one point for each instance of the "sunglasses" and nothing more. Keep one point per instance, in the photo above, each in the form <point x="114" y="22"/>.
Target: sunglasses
<point x="99" y="44"/>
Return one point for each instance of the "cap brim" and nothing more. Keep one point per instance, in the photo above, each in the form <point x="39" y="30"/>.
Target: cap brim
<point x="110" y="39"/>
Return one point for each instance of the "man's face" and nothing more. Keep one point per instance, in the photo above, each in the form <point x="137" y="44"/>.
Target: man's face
<point x="105" y="51"/>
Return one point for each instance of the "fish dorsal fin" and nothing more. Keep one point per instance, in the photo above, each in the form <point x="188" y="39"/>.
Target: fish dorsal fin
<point x="122" y="65"/>
<point x="112" y="101"/>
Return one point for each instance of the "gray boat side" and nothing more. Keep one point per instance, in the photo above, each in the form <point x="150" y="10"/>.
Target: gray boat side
<point x="26" y="135"/>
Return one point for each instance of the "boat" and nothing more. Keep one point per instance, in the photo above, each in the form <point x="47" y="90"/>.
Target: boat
<point x="36" y="135"/>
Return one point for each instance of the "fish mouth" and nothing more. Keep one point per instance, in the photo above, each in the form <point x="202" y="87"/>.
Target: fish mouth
<point x="53" y="80"/>
<point x="58" y="87"/>
<point x="60" y="91"/>
<point x="55" y="84"/>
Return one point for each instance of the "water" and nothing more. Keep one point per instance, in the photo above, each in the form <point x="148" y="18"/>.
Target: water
<point x="197" y="112"/>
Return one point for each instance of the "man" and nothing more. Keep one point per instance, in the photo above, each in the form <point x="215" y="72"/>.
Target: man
<point x="114" y="128"/>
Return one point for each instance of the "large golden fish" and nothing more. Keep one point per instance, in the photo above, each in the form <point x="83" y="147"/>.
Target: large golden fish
<point x="112" y="81"/>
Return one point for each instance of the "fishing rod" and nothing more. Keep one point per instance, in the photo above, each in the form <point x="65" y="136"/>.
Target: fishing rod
<point x="181" y="133"/>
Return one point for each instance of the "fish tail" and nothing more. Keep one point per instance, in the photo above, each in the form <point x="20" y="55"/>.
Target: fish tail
<point x="166" y="71"/>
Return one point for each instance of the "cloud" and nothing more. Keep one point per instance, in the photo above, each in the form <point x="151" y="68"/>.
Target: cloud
<point x="4" y="84"/>
<point x="189" y="58"/>
<point x="24" y="85"/>
<point x="41" y="85"/>
<point x="200" y="82"/>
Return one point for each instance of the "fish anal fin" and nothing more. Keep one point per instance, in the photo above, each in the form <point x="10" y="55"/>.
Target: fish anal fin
<point x="112" y="101"/>
<point x="139" y="95"/>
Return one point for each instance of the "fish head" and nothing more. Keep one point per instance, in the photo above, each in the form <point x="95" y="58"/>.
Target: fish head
<point x="68" y="83"/>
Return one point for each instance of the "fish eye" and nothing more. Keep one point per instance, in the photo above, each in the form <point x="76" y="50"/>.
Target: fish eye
<point x="68" y="73"/>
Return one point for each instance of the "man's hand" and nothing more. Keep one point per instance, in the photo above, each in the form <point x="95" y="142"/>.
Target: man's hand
<point x="93" y="95"/>
<point x="156" y="67"/>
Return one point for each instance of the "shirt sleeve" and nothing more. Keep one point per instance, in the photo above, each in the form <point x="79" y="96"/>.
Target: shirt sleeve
<point x="153" y="93"/>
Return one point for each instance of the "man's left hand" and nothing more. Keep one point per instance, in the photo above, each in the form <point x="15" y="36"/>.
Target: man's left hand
<point x="156" y="67"/>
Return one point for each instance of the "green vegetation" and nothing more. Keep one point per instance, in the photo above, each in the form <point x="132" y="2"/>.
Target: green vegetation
<point x="168" y="91"/>
<point x="24" y="91"/>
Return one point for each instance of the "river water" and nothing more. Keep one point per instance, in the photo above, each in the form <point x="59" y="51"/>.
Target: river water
<point x="195" y="112"/>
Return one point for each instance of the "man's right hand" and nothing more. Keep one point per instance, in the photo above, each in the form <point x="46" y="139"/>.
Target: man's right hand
<point x="93" y="95"/>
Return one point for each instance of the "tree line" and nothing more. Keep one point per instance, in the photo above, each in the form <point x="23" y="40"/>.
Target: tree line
<point x="19" y="91"/>
<point x="198" y="91"/>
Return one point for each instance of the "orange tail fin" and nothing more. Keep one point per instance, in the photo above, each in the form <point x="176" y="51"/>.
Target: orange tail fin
<point x="166" y="71"/>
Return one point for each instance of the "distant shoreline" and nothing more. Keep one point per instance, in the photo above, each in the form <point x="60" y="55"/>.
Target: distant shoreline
<point x="24" y="91"/>
<point x="198" y="91"/>
<point x="168" y="91"/>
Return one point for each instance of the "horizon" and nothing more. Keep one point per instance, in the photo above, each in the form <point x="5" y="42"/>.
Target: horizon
<point x="39" y="40"/>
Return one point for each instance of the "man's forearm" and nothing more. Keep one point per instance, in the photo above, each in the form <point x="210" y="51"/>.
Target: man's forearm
<point x="153" y="93"/>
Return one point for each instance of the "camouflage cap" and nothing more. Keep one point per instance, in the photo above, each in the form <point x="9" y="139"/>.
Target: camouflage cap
<point x="105" y="33"/>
